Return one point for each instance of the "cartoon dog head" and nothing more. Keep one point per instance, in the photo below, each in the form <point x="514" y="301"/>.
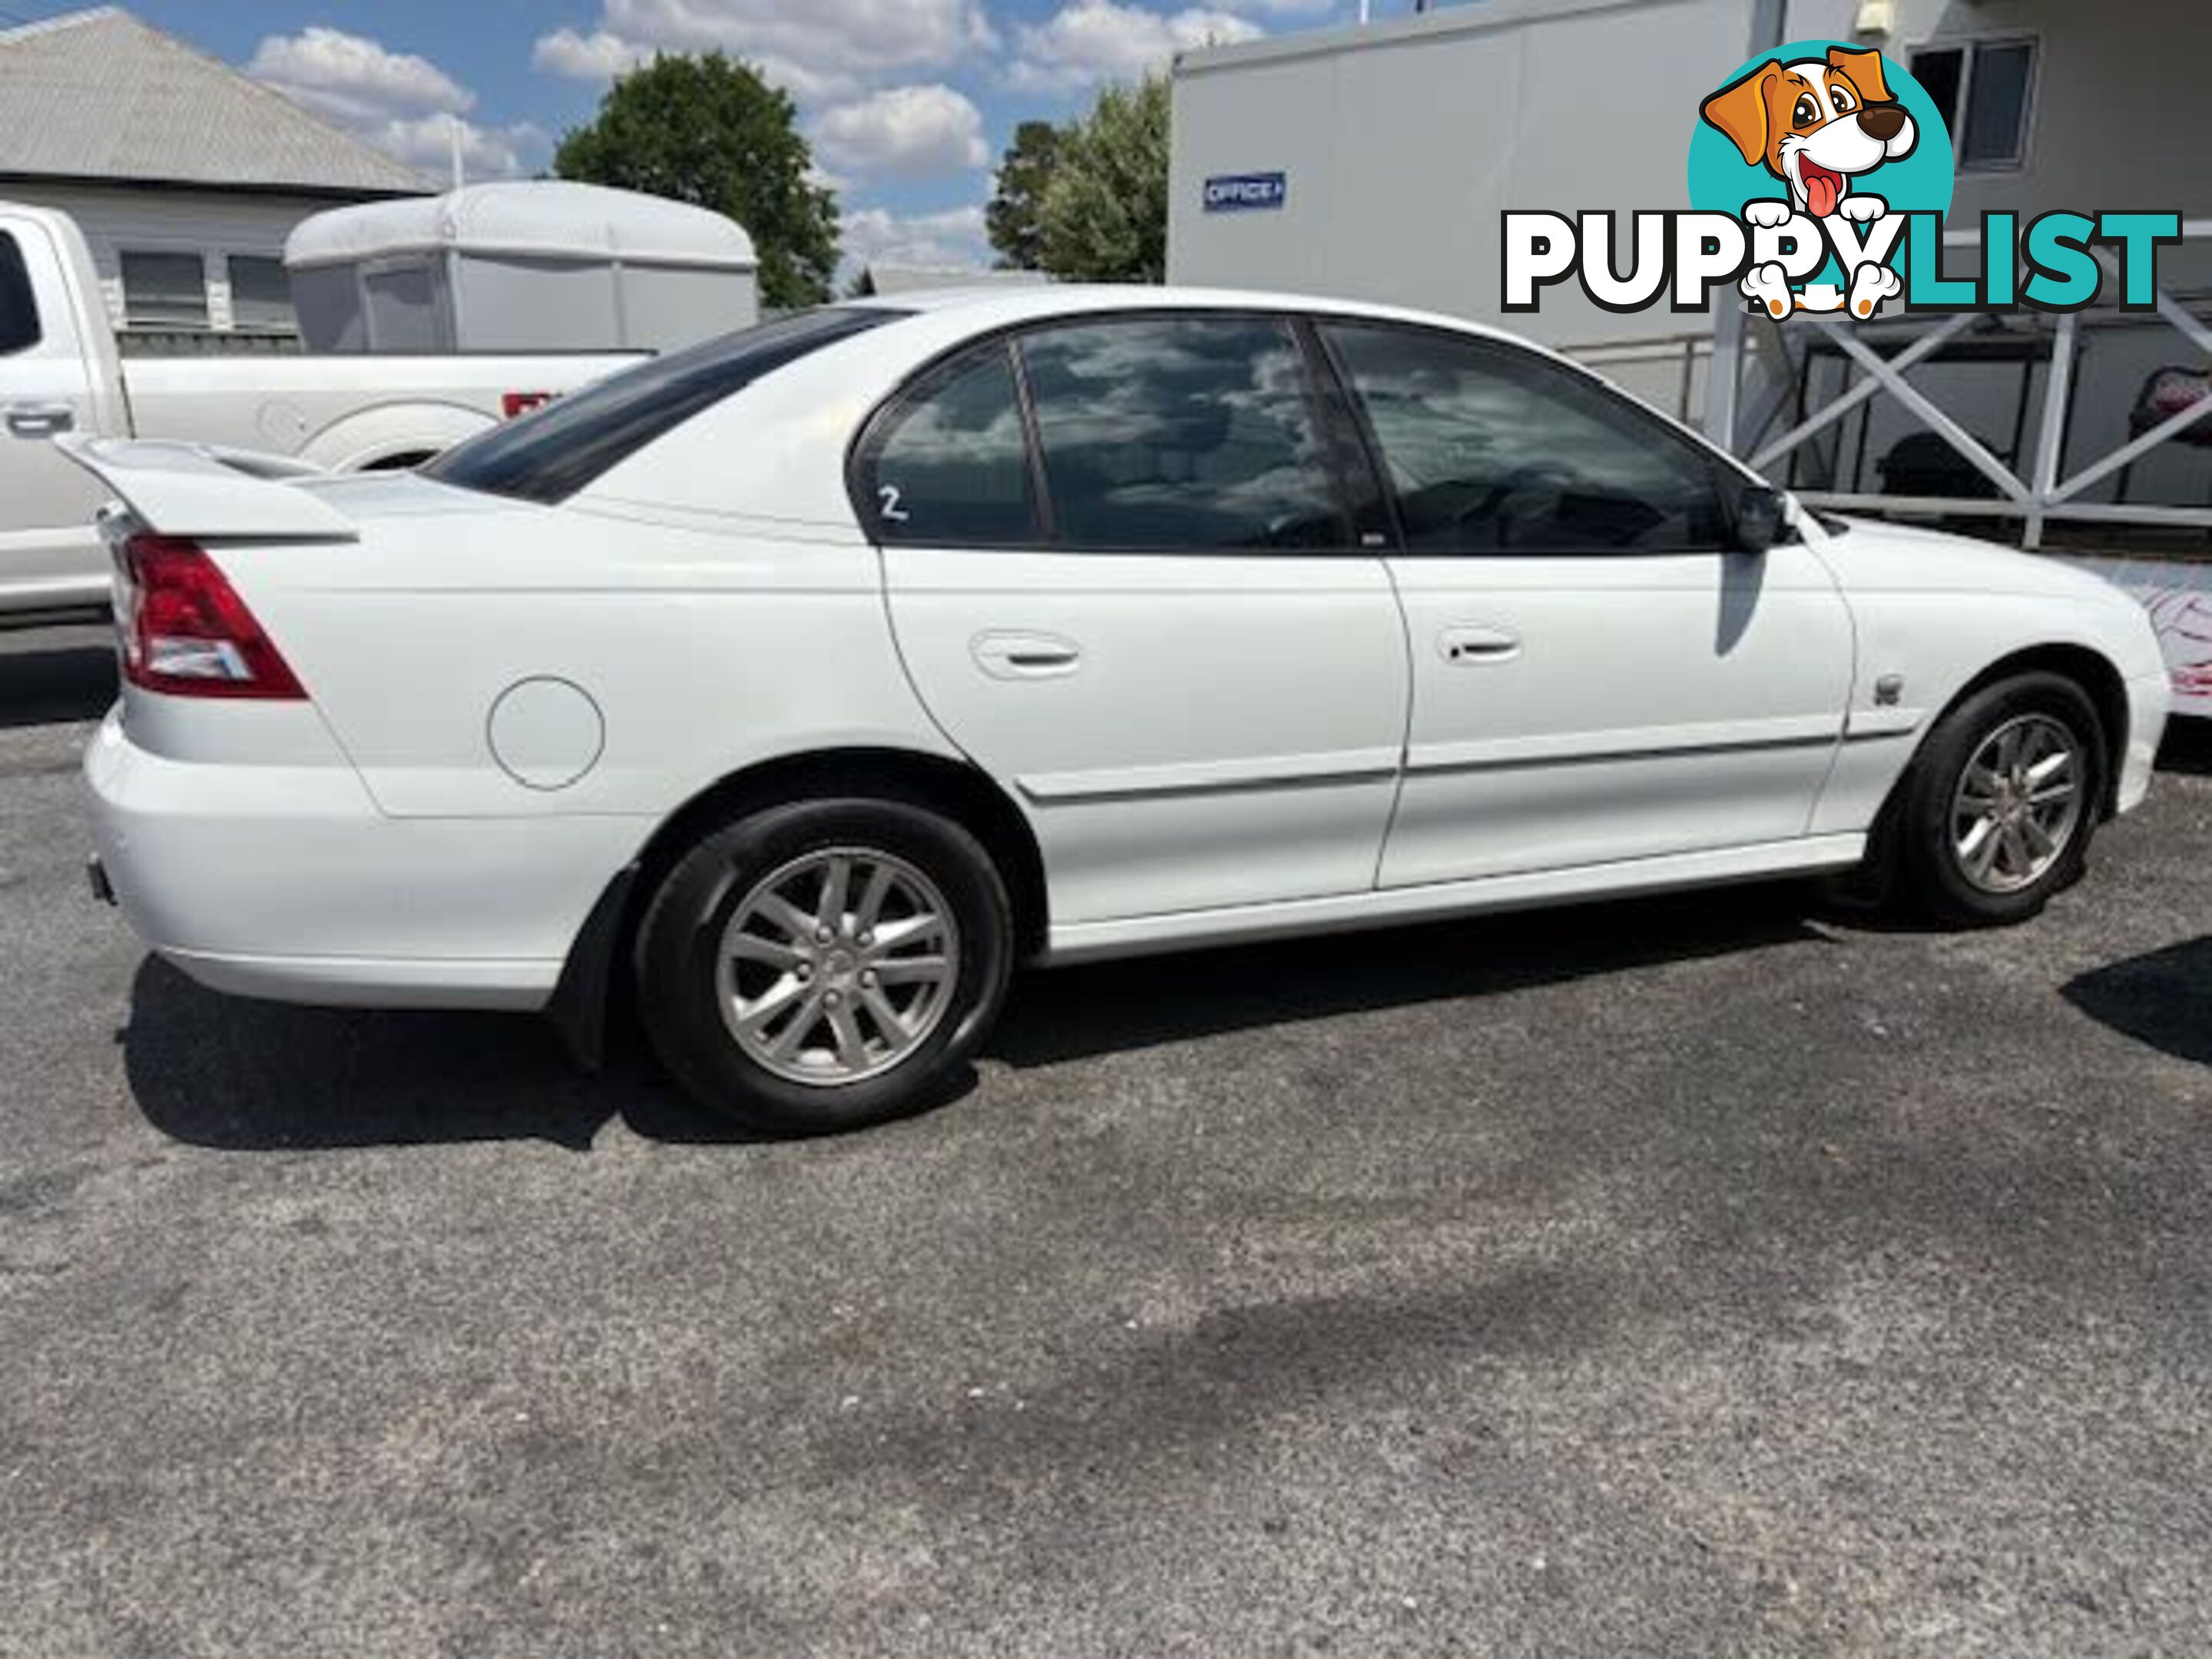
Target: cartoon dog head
<point x="1816" y="123"/>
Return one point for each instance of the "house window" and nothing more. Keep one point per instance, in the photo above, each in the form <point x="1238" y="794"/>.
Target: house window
<point x="165" y="290"/>
<point x="1982" y="88"/>
<point x="261" y="295"/>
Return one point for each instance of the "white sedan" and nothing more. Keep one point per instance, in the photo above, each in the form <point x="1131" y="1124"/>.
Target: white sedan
<point x="816" y="677"/>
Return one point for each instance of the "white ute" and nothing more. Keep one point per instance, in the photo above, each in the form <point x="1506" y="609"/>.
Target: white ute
<point x="63" y="371"/>
<point x="815" y="677"/>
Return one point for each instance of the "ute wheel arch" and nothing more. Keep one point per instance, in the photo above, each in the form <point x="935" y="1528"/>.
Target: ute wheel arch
<point x="583" y="999"/>
<point x="375" y="438"/>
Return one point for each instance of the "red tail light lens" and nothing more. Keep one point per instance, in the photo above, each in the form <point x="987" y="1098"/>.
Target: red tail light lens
<point x="185" y="630"/>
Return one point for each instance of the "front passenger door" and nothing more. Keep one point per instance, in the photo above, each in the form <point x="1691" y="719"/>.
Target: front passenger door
<point x="1597" y="678"/>
<point x="1123" y="579"/>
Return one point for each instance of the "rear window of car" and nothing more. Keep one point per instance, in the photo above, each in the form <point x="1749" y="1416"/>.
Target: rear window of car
<point x="550" y="453"/>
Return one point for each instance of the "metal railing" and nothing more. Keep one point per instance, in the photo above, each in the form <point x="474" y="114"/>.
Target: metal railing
<point x="2034" y="499"/>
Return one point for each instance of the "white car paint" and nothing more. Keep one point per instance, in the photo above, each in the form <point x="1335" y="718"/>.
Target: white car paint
<point x="340" y="412"/>
<point x="1240" y="748"/>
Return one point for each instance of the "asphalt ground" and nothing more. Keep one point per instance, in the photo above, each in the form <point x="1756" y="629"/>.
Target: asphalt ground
<point x="1725" y="1274"/>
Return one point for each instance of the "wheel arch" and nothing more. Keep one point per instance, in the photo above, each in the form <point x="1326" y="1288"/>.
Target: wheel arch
<point x="371" y="439"/>
<point x="2100" y="682"/>
<point x="2089" y="668"/>
<point x="958" y="789"/>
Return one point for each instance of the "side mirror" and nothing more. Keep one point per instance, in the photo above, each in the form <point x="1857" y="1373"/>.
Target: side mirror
<point x="1761" y="516"/>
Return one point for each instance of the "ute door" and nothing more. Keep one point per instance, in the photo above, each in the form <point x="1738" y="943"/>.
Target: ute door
<point x="1123" y="578"/>
<point x="1597" y="677"/>
<point x="50" y="554"/>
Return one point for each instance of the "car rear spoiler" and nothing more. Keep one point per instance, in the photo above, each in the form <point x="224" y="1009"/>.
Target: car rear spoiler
<point x="204" y="489"/>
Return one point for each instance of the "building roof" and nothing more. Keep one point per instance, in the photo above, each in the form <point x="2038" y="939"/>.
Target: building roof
<point x="549" y="218"/>
<point x="99" y="94"/>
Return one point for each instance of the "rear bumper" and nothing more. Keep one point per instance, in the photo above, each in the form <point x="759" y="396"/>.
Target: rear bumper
<point x="286" y="882"/>
<point x="373" y="981"/>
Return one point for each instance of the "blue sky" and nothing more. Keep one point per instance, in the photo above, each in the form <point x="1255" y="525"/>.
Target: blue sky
<point x="908" y="103"/>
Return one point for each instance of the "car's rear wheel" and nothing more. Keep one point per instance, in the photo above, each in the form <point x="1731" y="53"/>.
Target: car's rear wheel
<point x="1998" y="809"/>
<point x="826" y="964"/>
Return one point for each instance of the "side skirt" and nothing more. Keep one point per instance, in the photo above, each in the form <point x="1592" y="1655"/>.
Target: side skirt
<point x="1092" y="941"/>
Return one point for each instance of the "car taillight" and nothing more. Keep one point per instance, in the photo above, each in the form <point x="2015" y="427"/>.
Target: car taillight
<point x="185" y="631"/>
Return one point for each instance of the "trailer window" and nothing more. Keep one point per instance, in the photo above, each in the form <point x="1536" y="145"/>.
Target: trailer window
<point x="548" y="455"/>
<point x="19" y="311"/>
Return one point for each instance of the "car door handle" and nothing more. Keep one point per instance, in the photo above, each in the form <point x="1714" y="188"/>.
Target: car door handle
<point x="39" y="420"/>
<point x="1474" y="643"/>
<point x="1025" y="656"/>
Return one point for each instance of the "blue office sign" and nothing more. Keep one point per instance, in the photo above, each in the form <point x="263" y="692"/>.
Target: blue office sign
<point x="1246" y="192"/>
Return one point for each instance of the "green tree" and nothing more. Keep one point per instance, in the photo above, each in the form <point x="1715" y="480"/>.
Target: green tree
<point x="1104" y="217"/>
<point x="1024" y="174"/>
<point x="709" y="131"/>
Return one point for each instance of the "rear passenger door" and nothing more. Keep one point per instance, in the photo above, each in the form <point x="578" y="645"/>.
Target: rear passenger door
<point x="1125" y="578"/>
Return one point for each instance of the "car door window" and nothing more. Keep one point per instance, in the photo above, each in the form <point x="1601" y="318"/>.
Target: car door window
<point x="1181" y="434"/>
<point x="19" y="311"/>
<point x="950" y="464"/>
<point x="1489" y="449"/>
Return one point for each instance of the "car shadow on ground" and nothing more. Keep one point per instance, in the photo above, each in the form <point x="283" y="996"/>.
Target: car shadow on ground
<point x="2187" y="748"/>
<point x="225" y="1073"/>
<point x="50" y="685"/>
<point x="244" y="1076"/>
<point x="1076" y="1013"/>
<point x="2162" y="998"/>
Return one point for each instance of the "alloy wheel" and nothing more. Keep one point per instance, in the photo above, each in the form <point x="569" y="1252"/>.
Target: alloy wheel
<point x="836" y="966"/>
<point x="2018" y="804"/>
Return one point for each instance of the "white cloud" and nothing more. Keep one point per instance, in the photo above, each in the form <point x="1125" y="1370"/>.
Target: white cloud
<point x="349" y="78"/>
<point x="1091" y="40"/>
<point x="602" y="55"/>
<point x="598" y="55"/>
<point x="951" y="240"/>
<point x="403" y="104"/>
<point x="425" y="144"/>
<point x="906" y="131"/>
<point x="819" y="49"/>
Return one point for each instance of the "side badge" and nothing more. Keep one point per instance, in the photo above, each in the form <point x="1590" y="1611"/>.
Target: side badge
<point x="1888" y="690"/>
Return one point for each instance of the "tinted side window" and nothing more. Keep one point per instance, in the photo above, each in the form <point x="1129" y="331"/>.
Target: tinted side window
<point x="1181" y="434"/>
<point x="951" y="464"/>
<point x="1492" y="450"/>
<point x="19" y="311"/>
<point x="551" y="455"/>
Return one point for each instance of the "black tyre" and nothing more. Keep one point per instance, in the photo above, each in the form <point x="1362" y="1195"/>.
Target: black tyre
<point x="826" y="964"/>
<point x="1996" y="812"/>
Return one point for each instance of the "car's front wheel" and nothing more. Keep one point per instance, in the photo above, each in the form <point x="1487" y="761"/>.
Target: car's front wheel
<point x="826" y="965"/>
<point x="1998" y="809"/>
